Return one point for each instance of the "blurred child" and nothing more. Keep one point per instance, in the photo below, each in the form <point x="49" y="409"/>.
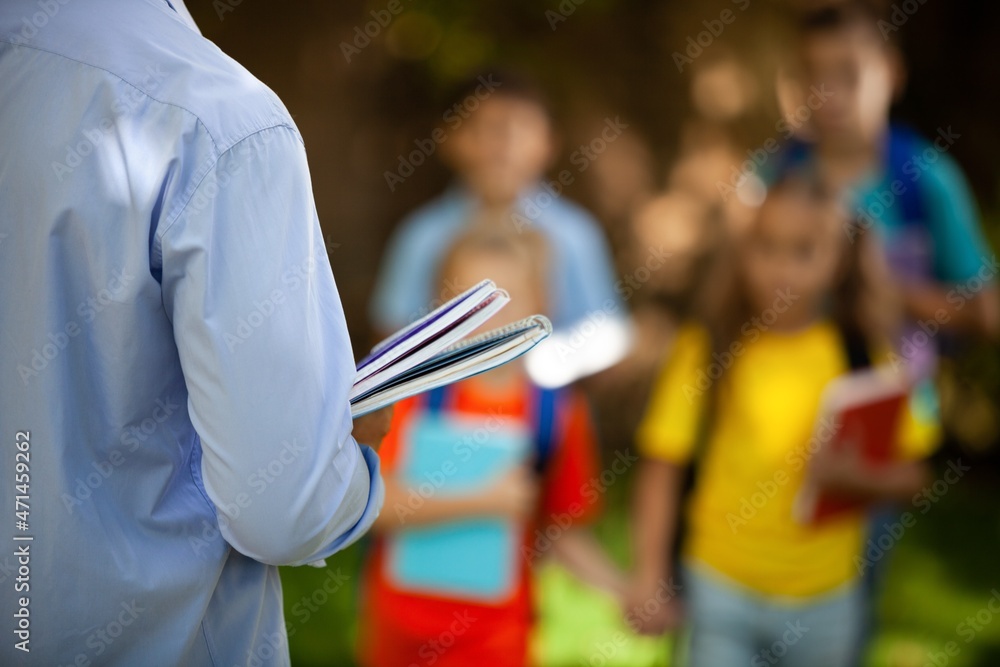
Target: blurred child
<point x="903" y="186"/>
<point x="497" y="137"/>
<point x="740" y="395"/>
<point x="483" y="479"/>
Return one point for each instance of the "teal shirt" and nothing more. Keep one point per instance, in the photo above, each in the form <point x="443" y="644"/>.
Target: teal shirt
<point x="947" y="245"/>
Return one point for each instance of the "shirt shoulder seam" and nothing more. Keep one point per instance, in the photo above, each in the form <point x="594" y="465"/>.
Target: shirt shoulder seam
<point x="215" y="145"/>
<point x="210" y="165"/>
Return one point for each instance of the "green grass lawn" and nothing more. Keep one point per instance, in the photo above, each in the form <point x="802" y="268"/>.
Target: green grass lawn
<point x="943" y="571"/>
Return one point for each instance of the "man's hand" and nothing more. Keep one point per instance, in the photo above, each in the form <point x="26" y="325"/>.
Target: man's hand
<point x="371" y="428"/>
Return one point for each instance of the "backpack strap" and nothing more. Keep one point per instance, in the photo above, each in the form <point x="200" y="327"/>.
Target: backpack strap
<point x="904" y="145"/>
<point x="795" y="156"/>
<point x="435" y="399"/>
<point x="544" y="419"/>
<point x="545" y="425"/>
<point x="856" y="349"/>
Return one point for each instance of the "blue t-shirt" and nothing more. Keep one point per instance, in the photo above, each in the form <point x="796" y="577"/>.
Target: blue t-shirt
<point x="581" y="278"/>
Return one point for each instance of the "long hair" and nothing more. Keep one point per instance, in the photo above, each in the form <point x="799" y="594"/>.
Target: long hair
<point x="861" y="302"/>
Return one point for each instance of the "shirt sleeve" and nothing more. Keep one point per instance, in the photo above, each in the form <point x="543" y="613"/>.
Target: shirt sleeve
<point x="266" y="357"/>
<point x="670" y="427"/>
<point x="960" y="248"/>
<point x="920" y="425"/>
<point x="572" y="484"/>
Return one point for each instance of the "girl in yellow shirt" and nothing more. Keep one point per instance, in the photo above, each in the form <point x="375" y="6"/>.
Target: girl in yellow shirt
<point x="741" y="392"/>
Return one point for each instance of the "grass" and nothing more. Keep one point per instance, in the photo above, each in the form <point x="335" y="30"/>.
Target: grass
<point x="944" y="570"/>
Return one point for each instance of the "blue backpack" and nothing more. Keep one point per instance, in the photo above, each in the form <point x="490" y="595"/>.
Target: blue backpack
<point x="903" y="145"/>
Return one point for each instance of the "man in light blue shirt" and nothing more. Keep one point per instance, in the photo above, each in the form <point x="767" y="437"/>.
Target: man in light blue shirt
<point x="174" y="361"/>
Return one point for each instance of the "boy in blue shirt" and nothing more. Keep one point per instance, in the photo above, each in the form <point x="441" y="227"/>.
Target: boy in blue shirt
<point x="497" y="137"/>
<point x="906" y="187"/>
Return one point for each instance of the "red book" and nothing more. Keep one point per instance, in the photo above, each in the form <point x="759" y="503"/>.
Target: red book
<point x="862" y="410"/>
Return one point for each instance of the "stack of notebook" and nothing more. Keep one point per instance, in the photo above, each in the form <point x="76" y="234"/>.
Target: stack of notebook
<point x="434" y="351"/>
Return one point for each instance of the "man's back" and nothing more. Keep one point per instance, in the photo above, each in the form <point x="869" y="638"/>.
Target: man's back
<point x="142" y="290"/>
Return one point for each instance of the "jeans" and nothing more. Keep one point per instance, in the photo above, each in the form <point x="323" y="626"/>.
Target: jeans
<point x="733" y="626"/>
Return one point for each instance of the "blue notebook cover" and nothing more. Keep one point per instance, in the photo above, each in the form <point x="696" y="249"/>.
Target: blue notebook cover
<point x="474" y="558"/>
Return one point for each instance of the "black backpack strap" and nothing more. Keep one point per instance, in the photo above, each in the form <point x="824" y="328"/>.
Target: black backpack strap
<point x="856" y="349"/>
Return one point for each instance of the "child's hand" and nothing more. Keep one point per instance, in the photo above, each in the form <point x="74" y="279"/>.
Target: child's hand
<point x="838" y="470"/>
<point x="651" y="610"/>
<point x="513" y="496"/>
<point x="373" y="427"/>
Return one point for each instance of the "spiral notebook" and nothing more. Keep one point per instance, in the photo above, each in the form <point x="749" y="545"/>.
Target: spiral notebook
<point x="434" y="351"/>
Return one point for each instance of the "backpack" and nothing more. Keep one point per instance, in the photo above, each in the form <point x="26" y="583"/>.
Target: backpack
<point x="546" y="404"/>
<point x="903" y="145"/>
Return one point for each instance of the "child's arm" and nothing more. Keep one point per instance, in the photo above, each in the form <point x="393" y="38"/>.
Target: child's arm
<point x="580" y="553"/>
<point x="511" y="496"/>
<point x="979" y="313"/>
<point x="843" y="472"/>
<point x="655" y="511"/>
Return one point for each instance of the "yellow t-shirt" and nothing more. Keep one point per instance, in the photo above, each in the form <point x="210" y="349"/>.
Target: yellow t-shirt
<point x="754" y="462"/>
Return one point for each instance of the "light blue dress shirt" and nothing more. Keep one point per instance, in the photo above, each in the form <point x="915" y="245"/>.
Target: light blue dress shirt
<point x="173" y="352"/>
